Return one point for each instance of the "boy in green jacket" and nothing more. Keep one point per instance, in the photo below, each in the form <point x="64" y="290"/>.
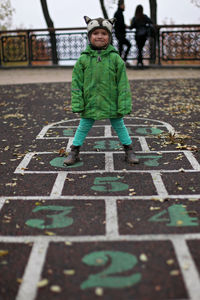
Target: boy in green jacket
<point x="100" y="89"/>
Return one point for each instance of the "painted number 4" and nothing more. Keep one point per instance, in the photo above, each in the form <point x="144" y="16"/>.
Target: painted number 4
<point x="178" y="216"/>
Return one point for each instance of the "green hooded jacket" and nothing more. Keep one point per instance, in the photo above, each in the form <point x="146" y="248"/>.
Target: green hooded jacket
<point x="100" y="87"/>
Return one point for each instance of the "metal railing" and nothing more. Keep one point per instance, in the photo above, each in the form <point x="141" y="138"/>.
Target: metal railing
<point x="178" y="43"/>
<point x="34" y="47"/>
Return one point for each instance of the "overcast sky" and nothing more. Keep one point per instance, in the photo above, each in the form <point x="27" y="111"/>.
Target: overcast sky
<point x="69" y="13"/>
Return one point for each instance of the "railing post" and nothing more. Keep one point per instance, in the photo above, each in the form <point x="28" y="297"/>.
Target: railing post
<point x="53" y="40"/>
<point x="0" y="49"/>
<point x="158" y="43"/>
<point x="29" y="48"/>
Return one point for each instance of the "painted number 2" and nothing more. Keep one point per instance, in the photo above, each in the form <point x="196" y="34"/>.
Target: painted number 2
<point x="58" y="220"/>
<point x="118" y="262"/>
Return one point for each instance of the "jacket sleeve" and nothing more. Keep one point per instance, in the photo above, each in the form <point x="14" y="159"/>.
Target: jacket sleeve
<point x="133" y="25"/>
<point x="124" y="91"/>
<point x="148" y="20"/>
<point x="77" y="87"/>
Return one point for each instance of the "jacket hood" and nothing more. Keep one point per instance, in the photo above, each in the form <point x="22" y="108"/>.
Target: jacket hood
<point x="92" y="52"/>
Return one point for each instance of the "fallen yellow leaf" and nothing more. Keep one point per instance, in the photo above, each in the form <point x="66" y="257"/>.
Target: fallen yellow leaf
<point x="99" y="291"/>
<point x="69" y="272"/>
<point x="43" y="282"/>
<point x="3" y="252"/>
<point x="55" y="288"/>
<point x="49" y="233"/>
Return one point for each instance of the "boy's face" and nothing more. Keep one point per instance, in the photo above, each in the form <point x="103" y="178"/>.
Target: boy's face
<point x="99" y="38"/>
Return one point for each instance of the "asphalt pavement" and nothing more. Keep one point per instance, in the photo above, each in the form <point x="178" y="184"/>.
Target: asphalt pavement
<point x="101" y="229"/>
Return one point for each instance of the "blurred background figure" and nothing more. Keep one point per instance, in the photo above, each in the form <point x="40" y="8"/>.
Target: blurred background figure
<point x="120" y="31"/>
<point x="144" y="27"/>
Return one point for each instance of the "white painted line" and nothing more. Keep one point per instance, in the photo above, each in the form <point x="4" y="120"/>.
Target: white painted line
<point x="58" y="184"/>
<point x="103" y="125"/>
<point x="94" y="137"/>
<point x="43" y="132"/>
<point x="65" y="126"/>
<point x="144" y="144"/>
<point x="188" y="268"/>
<point x="55" y="138"/>
<point x="146" y="125"/>
<point x="108" y="131"/>
<point x="24" y="163"/>
<point x="79" y="197"/>
<point x="28" y="287"/>
<point x="111" y="218"/>
<point x="117" y="152"/>
<point x="159" y="185"/>
<point x="114" y="171"/>
<point x="192" y="160"/>
<point x="2" y="201"/>
<point x="70" y="142"/>
<point x="109" y="164"/>
<point x="96" y="238"/>
<point x="169" y="128"/>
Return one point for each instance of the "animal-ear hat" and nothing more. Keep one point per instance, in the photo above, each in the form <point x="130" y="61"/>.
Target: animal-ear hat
<point x="93" y="24"/>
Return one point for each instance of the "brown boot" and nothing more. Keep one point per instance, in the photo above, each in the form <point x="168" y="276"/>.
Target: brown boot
<point x="73" y="156"/>
<point x="130" y="156"/>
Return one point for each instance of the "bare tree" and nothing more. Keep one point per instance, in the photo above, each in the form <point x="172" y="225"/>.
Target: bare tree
<point x="103" y="8"/>
<point x="50" y="25"/>
<point x="196" y="2"/>
<point x="6" y="12"/>
<point x="153" y="16"/>
<point x="153" y="10"/>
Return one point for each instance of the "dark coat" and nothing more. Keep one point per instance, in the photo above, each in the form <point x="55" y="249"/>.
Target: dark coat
<point x="120" y="27"/>
<point x="141" y="25"/>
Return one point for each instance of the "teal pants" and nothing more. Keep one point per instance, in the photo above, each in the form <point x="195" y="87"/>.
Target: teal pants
<point x="86" y="124"/>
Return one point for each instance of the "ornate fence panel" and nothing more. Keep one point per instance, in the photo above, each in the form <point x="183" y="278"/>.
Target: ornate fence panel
<point x="14" y="48"/>
<point x="69" y="46"/>
<point x="181" y="45"/>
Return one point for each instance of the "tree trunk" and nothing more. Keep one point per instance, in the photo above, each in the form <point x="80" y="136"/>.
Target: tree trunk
<point x="103" y="9"/>
<point x="153" y="11"/>
<point x="50" y="24"/>
<point x="153" y="16"/>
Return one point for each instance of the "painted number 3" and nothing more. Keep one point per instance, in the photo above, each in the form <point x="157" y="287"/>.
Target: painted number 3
<point x="58" y="220"/>
<point x="118" y="262"/>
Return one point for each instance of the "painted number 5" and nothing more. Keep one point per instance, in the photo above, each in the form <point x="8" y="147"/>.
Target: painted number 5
<point x="118" y="262"/>
<point x="108" y="184"/>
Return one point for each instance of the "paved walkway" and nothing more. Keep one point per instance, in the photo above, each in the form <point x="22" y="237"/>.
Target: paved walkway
<point x="101" y="229"/>
<point x="21" y="76"/>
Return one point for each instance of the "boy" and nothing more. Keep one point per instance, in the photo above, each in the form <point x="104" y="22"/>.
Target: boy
<point x="100" y="89"/>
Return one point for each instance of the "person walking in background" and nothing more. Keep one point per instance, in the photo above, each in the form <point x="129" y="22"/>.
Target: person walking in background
<point x="120" y="31"/>
<point x="143" y="24"/>
<point x="100" y="89"/>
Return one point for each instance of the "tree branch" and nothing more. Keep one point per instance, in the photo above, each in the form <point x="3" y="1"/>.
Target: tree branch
<point x="103" y="9"/>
